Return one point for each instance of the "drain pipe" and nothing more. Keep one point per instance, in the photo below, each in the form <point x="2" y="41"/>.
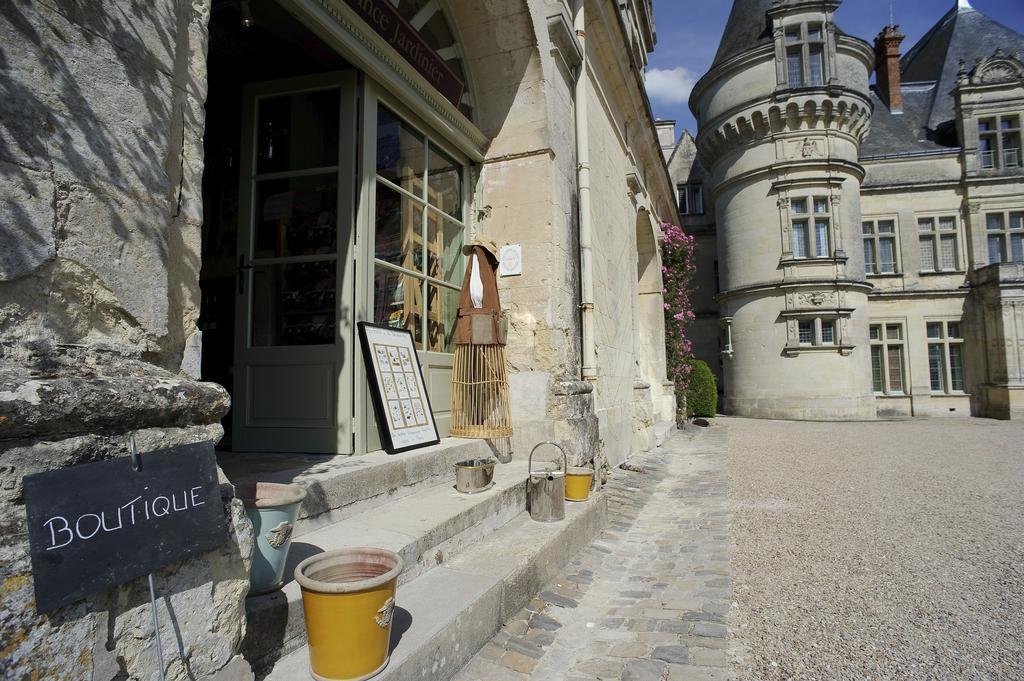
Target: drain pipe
<point x="589" y="371"/>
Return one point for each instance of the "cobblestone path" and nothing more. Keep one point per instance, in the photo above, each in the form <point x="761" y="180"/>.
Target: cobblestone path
<point x="649" y="598"/>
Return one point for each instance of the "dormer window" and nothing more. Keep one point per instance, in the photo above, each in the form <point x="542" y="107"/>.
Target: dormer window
<point x="999" y="142"/>
<point x="805" y="55"/>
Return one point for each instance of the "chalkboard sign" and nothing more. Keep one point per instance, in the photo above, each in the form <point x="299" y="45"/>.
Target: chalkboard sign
<point x="93" y="526"/>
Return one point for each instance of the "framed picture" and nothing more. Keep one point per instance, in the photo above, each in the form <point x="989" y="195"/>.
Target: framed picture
<point x="399" y="395"/>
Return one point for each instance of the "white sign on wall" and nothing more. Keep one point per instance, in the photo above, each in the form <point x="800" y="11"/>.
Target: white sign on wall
<point x="510" y="260"/>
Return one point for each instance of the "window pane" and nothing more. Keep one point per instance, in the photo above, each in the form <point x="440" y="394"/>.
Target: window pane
<point x="875" y="332"/>
<point x="953" y="330"/>
<point x="814" y="32"/>
<point x="399" y="152"/>
<point x="444" y="183"/>
<point x="398" y="237"/>
<point x="948" y="251"/>
<point x="987" y="151"/>
<point x="887" y="248"/>
<point x="927" y="254"/>
<point x="296" y="216"/>
<point x="886" y="227"/>
<point x="1016" y="220"/>
<point x="867" y="228"/>
<point x="1011" y="150"/>
<point x="817" y="65"/>
<point x="956" y="368"/>
<point x="683" y="203"/>
<point x="397" y="301"/>
<point x="876" y="368"/>
<point x="297" y="131"/>
<point x="995" y="249"/>
<point x="794" y="67"/>
<point x="828" y="332"/>
<point x="947" y="224"/>
<point x="444" y="248"/>
<point x="793" y="35"/>
<point x="994" y="221"/>
<point x="820" y="205"/>
<point x="869" y="256"/>
<point x="895" y="353"/>
<point x="442" y="309"/>
<point x="893" y="331"/>
<point x="806" y="332"/>
<point x="1017" y="247"/>
<point x="985" y="124"/>
<point x="926" y="224"/>
<point x="697" y="193"/>
<point x="821" y="238"/>
<point x="936" y="368"/>
<point x="799" y="205"/>
<point x="799" y="239"/>
<point x="934" y="329"/>
<point x="293" y="304"/>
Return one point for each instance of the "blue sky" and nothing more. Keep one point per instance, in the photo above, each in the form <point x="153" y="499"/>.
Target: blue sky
<point x="689" y="32"/>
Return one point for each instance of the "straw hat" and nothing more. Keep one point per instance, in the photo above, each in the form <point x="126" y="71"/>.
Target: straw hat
<point x="486" y="244"/>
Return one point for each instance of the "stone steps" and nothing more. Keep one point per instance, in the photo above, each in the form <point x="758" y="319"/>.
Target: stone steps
<point x="426" y="527"/>
<point x="443" y="616"/>
<point x="339" y="487"/>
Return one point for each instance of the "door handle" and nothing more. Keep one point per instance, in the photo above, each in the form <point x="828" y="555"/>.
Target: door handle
<point x="242" y="270"/>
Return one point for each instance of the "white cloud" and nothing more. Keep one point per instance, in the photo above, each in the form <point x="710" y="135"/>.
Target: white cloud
<point x="670" y="85"/>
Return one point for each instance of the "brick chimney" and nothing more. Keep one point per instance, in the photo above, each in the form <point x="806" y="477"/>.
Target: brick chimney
<point x="887" y="67"/>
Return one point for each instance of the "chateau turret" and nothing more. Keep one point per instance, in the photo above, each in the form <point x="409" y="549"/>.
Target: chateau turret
<point x="782" y="114"/>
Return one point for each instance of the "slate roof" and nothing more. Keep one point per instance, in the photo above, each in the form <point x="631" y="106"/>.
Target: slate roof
<point x="929" y="74"/>
<point x="907" y="132"/>
<point x="963" y="33"/>
<point x="746" y="28"/>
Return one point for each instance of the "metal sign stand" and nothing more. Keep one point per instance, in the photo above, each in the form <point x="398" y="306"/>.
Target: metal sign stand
<point x="137" y="465"/>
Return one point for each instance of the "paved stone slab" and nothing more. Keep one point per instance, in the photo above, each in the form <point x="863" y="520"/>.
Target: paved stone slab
<point x="635" y="605"/>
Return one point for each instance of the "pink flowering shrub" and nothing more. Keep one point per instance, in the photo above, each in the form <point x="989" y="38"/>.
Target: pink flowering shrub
<point x="677" y="270"/>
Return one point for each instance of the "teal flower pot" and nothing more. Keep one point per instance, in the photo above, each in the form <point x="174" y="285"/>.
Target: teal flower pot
<point x="273" y="509"/>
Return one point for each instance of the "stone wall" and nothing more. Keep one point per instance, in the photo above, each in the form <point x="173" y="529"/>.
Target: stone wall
<point x="101" y="125"/>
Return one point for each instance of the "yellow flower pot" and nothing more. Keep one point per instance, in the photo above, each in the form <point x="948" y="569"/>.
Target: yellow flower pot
<point x="348" y="596"/>
<point x="577" y="483"/>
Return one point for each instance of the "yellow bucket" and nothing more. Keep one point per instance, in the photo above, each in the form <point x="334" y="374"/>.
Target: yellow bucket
<point x="348" y="596"/>
<point x="577" y="483"/>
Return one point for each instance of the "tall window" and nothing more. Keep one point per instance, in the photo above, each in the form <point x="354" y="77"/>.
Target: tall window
<point x="945" y="357"/>
<point x="1005" y="233"/>
<point x="879" y="246"/>
<point x="805" y="55"/>
<point x="999" y="142"/>
<point x="418" y="262"/>
<point x="810" y="231"/>
<point x="937" y="239"/>
<point x="691" y="199"/>
<point x="887" y="359"/>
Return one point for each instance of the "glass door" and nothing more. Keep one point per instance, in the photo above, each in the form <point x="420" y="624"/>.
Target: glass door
<point x="294" y="337"/>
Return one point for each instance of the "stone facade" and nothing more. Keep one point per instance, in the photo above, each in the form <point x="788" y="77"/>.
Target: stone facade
<point x="908" y="223"/>
<point x="102" y="160"/>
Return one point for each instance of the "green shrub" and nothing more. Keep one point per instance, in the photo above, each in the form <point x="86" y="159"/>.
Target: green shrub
<point x="702" y="391"/>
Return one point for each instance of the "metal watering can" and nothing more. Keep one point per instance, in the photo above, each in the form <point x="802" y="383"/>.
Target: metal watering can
<point x="546" y="489"/>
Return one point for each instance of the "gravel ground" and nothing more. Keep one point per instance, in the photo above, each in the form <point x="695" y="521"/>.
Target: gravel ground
<point x="883" y="550"/>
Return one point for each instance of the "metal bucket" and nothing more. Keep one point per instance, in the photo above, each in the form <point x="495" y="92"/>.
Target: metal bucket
<point x="474" y="475"/>
<point x="546" y="489"/>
